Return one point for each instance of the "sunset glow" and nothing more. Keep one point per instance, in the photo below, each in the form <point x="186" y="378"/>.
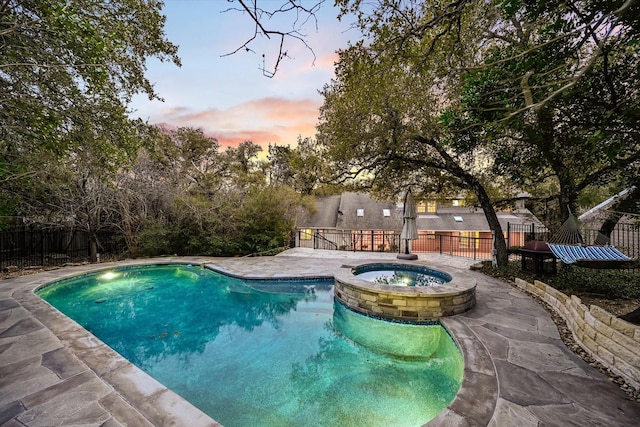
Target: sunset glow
<point x="227" y="96"/>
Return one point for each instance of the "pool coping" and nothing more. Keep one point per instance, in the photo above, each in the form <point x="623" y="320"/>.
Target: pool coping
<point x="149" y="400"/>
<point x="453" y="287"/>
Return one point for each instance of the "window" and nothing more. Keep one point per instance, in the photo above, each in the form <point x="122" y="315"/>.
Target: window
<point x="426" y="207"/>
<point x="306" y="234"/>
<point x="469" y="239"/>
<point x="457" y="202"/>
<point x="458" y="219"/>
<point x="360" y="212"/>
<point x="386" y="212"/>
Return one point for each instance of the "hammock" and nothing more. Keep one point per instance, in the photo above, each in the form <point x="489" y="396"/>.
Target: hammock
<point x="591" y="256"/>
<point x="568" y="246"/>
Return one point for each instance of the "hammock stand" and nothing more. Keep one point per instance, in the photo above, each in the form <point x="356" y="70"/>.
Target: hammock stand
<point x="568" y="246"/>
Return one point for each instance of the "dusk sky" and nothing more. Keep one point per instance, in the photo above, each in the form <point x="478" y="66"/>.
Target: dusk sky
<point x="228" y="96"/>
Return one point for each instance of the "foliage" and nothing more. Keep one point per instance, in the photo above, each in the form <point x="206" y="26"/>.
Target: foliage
<point x="382" y="120"/>
<point x="555" y="95"/>
<point x="304" y="168"/>
<point x="260" y="221"/>
<point x="67" y="71"/>
<point x="577" y="280"/>
<point x="192" y="199"/>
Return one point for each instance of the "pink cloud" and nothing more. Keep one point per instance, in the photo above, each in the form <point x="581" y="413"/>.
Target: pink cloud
<point x="327" y="62"/>
<point x="262" y="121"/>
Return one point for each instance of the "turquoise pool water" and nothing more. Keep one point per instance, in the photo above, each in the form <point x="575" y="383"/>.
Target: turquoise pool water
<point x="265" y="353"/>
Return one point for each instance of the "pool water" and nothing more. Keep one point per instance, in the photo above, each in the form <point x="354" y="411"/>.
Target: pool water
<point x="247" y="356"/>
<point x="401" y="275"/>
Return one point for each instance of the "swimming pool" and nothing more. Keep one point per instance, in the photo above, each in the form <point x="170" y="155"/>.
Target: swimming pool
<point x="249" y="356"/>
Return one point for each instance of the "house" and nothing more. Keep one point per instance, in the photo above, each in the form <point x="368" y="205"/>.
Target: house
<point x="352" y="221"/>
<point x="355" y="221"/>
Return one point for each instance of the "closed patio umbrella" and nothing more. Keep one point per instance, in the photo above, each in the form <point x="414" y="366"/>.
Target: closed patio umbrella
<point x="409" y="228"/>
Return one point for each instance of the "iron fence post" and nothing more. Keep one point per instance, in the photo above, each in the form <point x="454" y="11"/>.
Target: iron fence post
<point x="474" y="248"/>
<point x="533" y="232"/>
<point x="41" y="248"/>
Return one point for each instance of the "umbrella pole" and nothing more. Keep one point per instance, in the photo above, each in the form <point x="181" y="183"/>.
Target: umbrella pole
<point x="406" y="247"/>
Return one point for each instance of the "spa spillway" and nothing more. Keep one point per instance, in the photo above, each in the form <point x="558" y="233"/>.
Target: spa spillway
<point x="404" y="291"/>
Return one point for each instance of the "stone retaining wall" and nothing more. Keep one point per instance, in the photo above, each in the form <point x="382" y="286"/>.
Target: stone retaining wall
<point x="612" y="341"/>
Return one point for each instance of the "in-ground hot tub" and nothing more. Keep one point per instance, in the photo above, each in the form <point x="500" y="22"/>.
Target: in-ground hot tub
<point x="401" y="274"/>
<point x="404" y="291"/>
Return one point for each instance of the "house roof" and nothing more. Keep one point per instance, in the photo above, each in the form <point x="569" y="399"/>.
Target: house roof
<point x="464" y="219"/>
<point x="358" y="211"/>
<point x="326" y="214"/>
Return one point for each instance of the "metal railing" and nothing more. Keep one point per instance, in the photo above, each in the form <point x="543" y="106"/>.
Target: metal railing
<point x="626" y="237"/>
<point x="35" y="246"/>
<point x="389" y="241"/>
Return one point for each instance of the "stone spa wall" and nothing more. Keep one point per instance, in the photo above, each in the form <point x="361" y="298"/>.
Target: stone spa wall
<point x="419" y="303"/>
<point x="611" y="341"/>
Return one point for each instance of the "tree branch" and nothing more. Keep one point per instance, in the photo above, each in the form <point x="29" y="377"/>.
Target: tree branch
<point x="258" y="16"/>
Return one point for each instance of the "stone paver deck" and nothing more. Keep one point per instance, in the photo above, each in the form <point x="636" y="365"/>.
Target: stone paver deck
<point x="517" y="370"/>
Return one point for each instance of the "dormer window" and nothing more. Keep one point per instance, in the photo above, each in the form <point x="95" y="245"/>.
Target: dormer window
<point x="360" y="212"/>
<point x="386" y="212"/>
<point x="428" y="206"/>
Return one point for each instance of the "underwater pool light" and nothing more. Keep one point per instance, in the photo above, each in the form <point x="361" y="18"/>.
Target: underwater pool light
<point x="109" y="275"/>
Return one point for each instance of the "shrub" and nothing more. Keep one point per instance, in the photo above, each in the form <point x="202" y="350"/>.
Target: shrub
<point x="577" y="280"/>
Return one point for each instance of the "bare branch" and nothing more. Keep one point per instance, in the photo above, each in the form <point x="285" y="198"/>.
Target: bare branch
<point x="301" y="16"/>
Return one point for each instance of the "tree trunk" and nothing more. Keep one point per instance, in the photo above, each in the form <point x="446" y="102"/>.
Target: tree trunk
<point x="502" y="253"/>
<point x="628" y="203"/>
<point x="93" y="247"/>
<point x="546" y="142"/>
<point x="452" y="167"/>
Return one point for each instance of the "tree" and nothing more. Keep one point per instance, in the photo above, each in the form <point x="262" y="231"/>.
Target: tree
<point x="241" y="162"/>
<point x="381" y="122"/>
<point x="60" y="59"/>
<point x="303" y="168"/>
<point x="556" y="95"/>
<point x="184" y="196"/>
<point x="521" y="85"/>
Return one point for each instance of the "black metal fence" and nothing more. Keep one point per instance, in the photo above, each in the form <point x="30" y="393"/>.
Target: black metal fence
<point x="41" y="246"/>
<point x="389" y="241"/>
<point x="35" y="246"/>
<point x="626" y="237"/>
